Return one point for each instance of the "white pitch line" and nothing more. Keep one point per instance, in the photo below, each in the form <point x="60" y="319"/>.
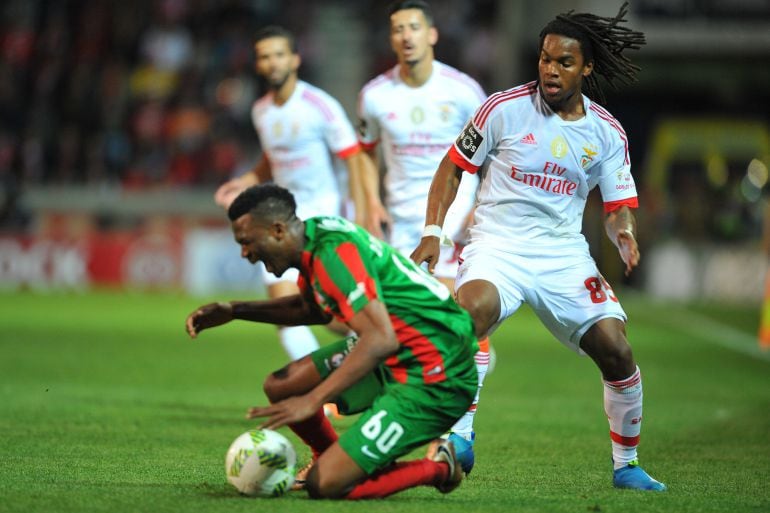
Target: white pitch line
<point x="715" y="333"/>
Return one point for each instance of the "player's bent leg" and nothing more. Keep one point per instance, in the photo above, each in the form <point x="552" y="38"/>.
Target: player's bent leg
<point x="296" y="378"/>
<point x="402" y="419"/>
<point x="605" y="342"/>
<point x="317" y="432"/>
<point x="482" y="300"/>
<point x="336" y="475"/>
<point x="462" y="434"/>
<point x="333" y="475"/>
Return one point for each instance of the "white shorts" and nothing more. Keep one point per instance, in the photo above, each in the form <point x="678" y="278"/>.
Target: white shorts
<point x="565" y="289"/>
<point x="405" y="237"/>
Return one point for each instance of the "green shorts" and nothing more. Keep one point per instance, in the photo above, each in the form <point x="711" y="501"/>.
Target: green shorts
<point x="361" y="395"/>
<point x="398" y="417"/>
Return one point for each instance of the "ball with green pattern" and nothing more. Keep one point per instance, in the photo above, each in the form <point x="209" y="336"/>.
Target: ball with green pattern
<point x="261" y="463"/>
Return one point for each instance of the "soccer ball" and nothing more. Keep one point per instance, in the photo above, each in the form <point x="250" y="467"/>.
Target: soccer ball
<point x="261" y="463"/>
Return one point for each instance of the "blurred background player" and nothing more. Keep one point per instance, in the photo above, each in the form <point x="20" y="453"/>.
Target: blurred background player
<point x="540" y="148"/>
<point x="409" y="371"/>
<point x="415" y="110"/>
<point x="300" y="127"/>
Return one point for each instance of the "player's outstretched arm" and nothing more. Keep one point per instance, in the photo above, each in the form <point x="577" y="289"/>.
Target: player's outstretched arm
<point x="376" y="341"/>
<point x="208" y="316"/>
<point x="443" y="190"/>
<point x="285" y="311"/>
<point x="620" y="225"/>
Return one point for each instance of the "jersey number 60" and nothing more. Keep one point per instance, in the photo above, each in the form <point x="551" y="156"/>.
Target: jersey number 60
<point x="384" y="439"/>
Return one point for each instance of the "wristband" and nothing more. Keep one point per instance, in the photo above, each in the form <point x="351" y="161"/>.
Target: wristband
<point x="432" y="230"/>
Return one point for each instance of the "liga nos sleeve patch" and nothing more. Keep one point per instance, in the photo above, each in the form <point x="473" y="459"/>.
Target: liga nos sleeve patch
<point x="469" y="140"/>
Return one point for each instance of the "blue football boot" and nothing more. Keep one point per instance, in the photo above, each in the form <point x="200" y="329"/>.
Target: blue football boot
<point x="634" y="477"/>
<point x="464" y="450"/>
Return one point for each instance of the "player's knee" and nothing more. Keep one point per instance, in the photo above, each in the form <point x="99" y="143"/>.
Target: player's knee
<point x="623" y="353"/>
<point x="617" y="359"/>
<point x="480" y="310"/>
<point x="274" y="385"/>
<point x="624" y="357"/>
<point x="605" y="342"/>
<point x="319" y="488"/>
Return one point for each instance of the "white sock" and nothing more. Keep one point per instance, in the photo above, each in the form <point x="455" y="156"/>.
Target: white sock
<point x="297" y="341"/>
<point x="464" y="425"/>
<point x="623" y="406"/>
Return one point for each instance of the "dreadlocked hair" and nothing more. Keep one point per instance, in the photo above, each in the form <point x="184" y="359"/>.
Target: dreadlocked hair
<point x="602" y="40"/>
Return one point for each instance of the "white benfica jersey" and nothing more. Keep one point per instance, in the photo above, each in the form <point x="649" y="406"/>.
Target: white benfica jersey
<point x="298" y="139"/>
<point x="416" y="126"/>
<point x="537" y="169"/>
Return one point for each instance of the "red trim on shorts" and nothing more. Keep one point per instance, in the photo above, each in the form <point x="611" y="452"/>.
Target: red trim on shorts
<point x="460" y="160"/>
<point x="368" y="146"/>
<point x="433" y="370"/>
<point x="628" y="441"/>
<point x="612" y="206"/>
<point x="350" y="150"/>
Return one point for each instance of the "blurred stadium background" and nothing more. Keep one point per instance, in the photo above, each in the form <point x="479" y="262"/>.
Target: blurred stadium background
<point x="119" y="119"/>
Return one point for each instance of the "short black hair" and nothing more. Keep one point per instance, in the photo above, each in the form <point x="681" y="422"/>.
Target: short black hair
<point x="276" y="31"/>
<point x="266" y="201"/>
<point x="602" y="41"/>
<point x="401" y="5"/>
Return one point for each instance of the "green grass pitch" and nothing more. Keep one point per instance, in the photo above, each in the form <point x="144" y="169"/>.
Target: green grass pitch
<point x="106" y="405"/>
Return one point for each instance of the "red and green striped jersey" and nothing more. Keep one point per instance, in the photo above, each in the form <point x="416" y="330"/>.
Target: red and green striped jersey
<point x="347" y="268"/>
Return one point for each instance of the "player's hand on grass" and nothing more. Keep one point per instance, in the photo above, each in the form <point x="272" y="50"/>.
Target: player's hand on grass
<point x="290" y="410"/>
<point x="629" y="249"/>
<point x="208" y="316"/>
<point x="428" y="250"/>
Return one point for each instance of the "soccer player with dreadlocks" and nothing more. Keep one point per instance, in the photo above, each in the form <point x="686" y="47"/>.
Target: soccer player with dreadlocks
<point x="539" y="149"/>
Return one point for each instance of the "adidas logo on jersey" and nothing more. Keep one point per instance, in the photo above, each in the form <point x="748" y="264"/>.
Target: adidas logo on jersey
<point x="529" y="139"/>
